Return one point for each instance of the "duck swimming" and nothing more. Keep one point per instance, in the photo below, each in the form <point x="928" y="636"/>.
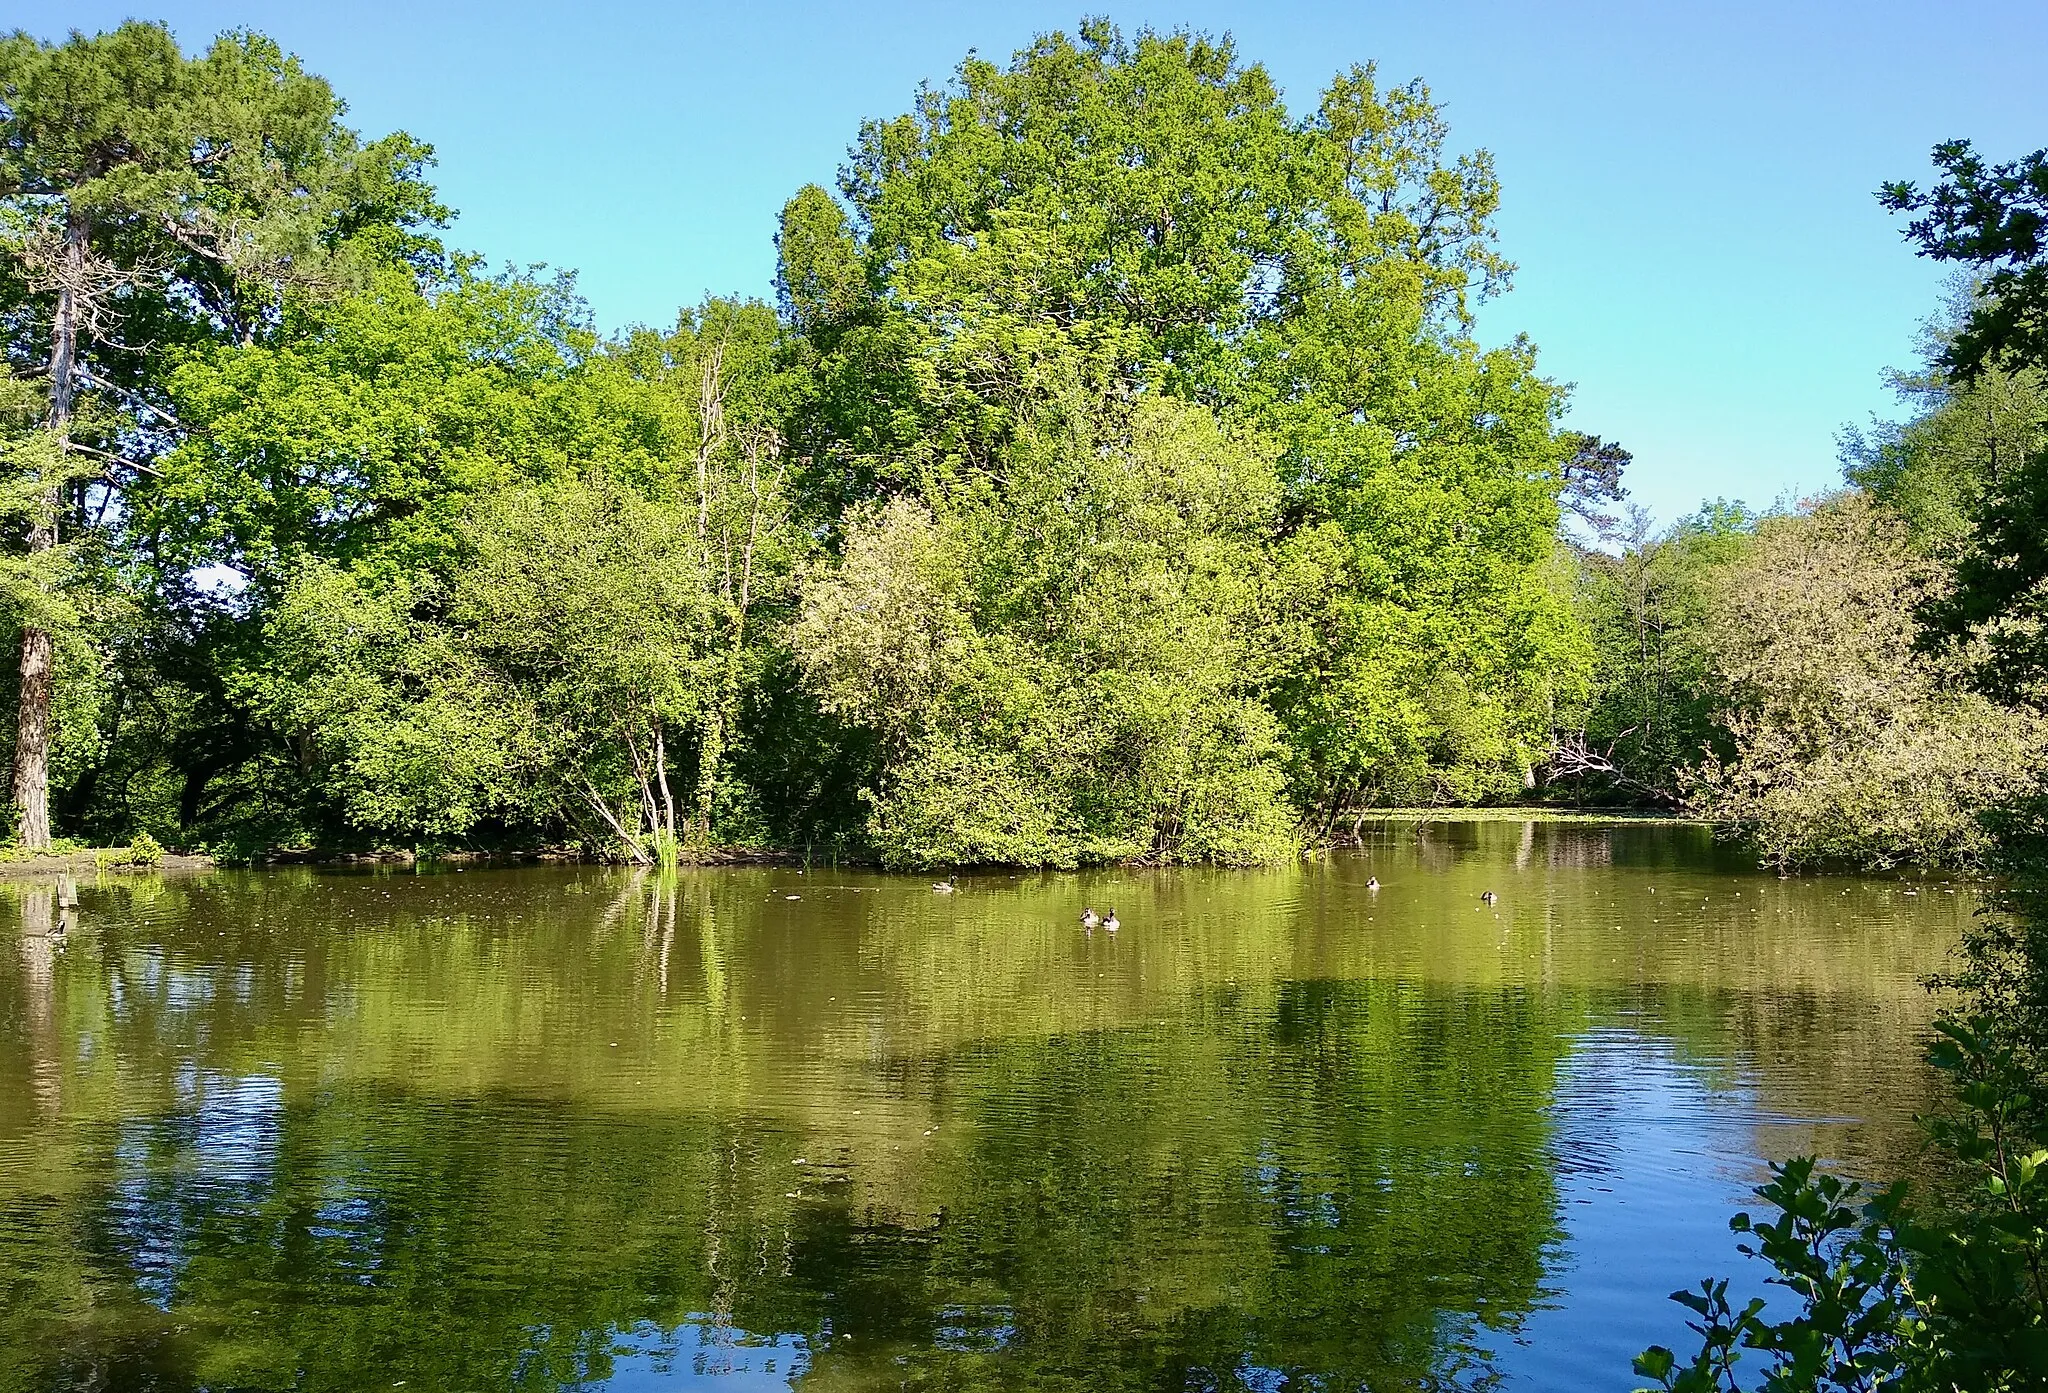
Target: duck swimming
<point x="1488" y="896"/>
<point x="1372" y="882"/>
<point x="1109" y="921"/>
<point x="1089" y="918"/>
<point x="942" y="887"/>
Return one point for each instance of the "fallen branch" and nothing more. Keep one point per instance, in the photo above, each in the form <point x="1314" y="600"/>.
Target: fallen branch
<point x="1573" y="756"/>
<point x="604" y="810"/>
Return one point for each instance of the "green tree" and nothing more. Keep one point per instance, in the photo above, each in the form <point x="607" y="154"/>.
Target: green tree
<point x="1989" y="219"/>
<point x="1593" y="470"/>
<point x="356" y="439"/>
<point x="1650" y="713"/>
<point x="1848" y="741"/>
<point x="1064" y="667"/>
<point x="1994" y="219"/>
<point x="544" y="681"/>
<point x="723" y="380"/>
<point x="147" y="198"/>
<point x="1960" y="446"/>
<point x="1120" y="217"/>
<point x="361" y="435"/>
<point x="415" y="481"/>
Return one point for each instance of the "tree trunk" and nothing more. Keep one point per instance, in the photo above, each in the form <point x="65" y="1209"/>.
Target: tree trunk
<point x="667" y="848"/>
<point x="32" y="740"/>
<point x="710" y="751"/>
<point x="38" y="649"/>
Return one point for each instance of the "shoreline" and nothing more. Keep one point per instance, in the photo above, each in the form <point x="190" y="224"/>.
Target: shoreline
<point x="87" y="862"/>
<point x="1537" y="813"/>
<point x="88" y="859"/>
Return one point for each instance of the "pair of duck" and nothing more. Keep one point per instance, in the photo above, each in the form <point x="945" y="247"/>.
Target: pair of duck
<point x="1090" y="919"/>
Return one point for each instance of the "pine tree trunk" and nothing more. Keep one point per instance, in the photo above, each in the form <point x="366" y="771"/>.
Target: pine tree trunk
<point x="32" y="741"/>
<point x="38" y="649"/>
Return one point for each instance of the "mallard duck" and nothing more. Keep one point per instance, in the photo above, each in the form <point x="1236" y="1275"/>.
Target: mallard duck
<point x="1089" y="918"/>
<point x="1109" y="921"/>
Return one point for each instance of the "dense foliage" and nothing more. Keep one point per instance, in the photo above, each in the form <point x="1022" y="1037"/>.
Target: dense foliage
<point x="1812" y="678"/>
<point x="1945" y="1290"/>
<point x="1844" y="742"/>
<point x="1116" y="476"/>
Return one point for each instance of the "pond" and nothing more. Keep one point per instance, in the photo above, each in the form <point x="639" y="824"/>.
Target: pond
<point x="543" y="1128"/>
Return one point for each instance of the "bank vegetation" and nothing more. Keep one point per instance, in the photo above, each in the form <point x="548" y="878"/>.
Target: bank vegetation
<point x="1116" y="474"/>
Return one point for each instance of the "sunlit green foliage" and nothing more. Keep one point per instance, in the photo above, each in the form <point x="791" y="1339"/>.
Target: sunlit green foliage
<point x="1648" y="608"/>
<point x="1063" y="664"/>
<point x="542" y="680"/>
<point x="1962" y="442"/>
<point x="1113" y="215"/>
<point x="1120" y="480"/>
<point x="1118" y="476"/>
<point x="1847" y="742"/>
<point x="360" y="437"/>
<point x="150" y="205"/>
<point x="513" y="591"/>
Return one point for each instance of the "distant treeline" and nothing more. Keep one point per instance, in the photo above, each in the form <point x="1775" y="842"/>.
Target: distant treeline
<point x="1116" y="475"/>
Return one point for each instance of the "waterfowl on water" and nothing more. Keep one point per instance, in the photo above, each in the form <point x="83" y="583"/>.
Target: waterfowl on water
<point x="1372" y="882"/>
<point x="1488" y="896"/>
<point x="1089" y="918"/>
<point x="1109" y="921"/>
<point x="942" y="887"/>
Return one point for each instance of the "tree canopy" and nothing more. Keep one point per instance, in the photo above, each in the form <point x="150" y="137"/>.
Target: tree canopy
<point x="1115" y="475"/>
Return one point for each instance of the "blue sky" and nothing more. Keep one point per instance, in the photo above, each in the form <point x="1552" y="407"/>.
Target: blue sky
<point x="1687" y="187"/>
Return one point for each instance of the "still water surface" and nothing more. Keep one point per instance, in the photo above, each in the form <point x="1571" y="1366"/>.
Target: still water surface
<point x="545" y="1128"/>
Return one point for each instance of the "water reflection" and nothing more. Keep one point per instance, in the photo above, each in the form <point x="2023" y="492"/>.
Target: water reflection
<point x="546" y="1129"/>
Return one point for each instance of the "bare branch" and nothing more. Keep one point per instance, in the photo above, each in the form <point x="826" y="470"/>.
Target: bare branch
<point x="137" y="465"/>
<point x="1573" y="756"/>
<point x="133" y="398"/>
<point x="633" y="847"/>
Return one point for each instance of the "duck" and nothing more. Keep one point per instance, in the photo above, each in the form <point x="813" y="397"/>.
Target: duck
<point x="1110" y="922"/>
<point x="942" y="887"/>
<point x="1372" y="882"/>
<point x="1089" y="918"/>
<point x="1488" y="896"/>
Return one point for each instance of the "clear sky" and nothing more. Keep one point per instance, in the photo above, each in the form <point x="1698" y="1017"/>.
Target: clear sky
<point x="1688" y="187"/>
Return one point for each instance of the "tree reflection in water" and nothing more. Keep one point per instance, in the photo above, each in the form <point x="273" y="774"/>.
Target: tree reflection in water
<point x="545" y="1129"/>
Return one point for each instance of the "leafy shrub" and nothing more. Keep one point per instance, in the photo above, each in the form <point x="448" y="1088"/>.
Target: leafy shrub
<point x="1849" y="742"/>
<point x="1889" y="1296"/>
<point x="145" y="850"/>
<point x="59" y="846"/>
